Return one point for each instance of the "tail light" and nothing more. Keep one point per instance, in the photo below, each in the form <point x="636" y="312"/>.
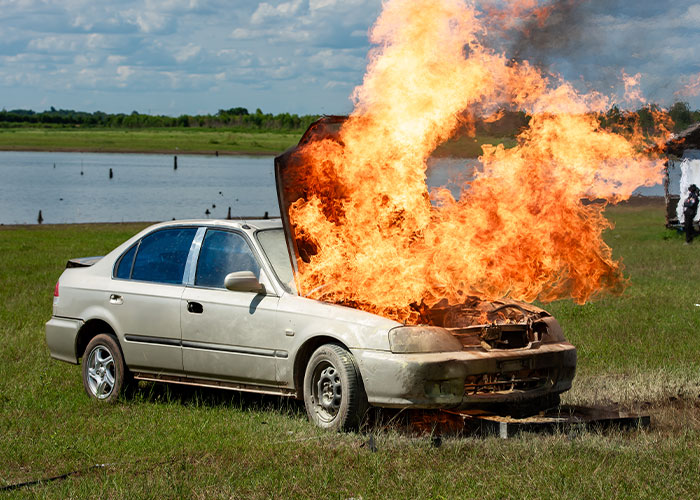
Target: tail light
<point x="55" y="290"/>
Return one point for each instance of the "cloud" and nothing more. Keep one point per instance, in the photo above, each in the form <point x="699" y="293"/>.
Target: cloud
<point x="188" y="52"/>
<point x="338" y="59"/>
<point x="296" y="55"/>
<point x="267" y="12"/>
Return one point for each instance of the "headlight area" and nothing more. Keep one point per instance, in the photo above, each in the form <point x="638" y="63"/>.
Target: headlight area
<point x="419" y="339"/>
<point x="550" y="330"/>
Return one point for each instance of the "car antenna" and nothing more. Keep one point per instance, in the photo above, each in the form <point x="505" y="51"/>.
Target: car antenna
<point x="244" y="224"/>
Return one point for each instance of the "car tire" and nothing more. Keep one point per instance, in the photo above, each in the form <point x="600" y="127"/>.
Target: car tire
<point x="105" y="375"/>
<point x="334" y="396"/>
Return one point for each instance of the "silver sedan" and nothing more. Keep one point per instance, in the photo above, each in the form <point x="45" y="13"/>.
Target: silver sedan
<point x="213" y="304"/>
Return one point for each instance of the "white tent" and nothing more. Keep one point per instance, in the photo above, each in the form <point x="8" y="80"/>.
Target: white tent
<point x="690" y="174"/>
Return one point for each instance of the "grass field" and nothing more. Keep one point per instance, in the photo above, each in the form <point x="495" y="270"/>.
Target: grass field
<point x="188" y="140"/>
<point x="166" y="140"/>
<point x="641" y="349"/>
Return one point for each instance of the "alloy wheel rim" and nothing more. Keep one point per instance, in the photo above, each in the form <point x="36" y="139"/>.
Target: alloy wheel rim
<point x="101" y="372"/>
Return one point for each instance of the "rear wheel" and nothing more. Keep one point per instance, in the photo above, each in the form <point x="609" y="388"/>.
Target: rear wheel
<point x="104" y="371"/>
<point x="333" y="393"/>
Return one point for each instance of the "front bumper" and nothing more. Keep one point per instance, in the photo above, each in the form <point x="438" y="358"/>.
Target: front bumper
<point x="465" y="378"/>
<point x="61" y="335"/>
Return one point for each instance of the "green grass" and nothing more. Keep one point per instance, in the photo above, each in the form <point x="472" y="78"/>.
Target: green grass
<point x="165" y="140"/>
<point x="167" y="442"/>
<point x="190" y="140"/>
<point x="653" y="327"/>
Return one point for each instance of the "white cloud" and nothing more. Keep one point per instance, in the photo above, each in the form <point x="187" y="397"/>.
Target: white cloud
<point x="116" y="59"/>
<point x="332" y="84"/>
<point x="54" y="44"/>
<point x="266" y="12"/>
<point x="223" y="53"/>
<point x="188" y="52"/>
<point x="693" y="14"/>
<point x="338" y="59"/>
<point x="124" y="72"/>
<point x="147" y="21"/>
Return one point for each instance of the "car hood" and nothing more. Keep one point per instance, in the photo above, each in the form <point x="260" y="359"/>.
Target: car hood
<point x="290" y="188"/>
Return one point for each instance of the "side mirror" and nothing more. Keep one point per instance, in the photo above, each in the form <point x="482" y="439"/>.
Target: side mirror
<point x="243" y="281"/>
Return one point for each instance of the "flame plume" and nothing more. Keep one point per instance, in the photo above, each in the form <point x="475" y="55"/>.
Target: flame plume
<point x="519" y="229"/>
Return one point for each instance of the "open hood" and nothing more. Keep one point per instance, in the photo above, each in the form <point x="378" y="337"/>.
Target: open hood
<point x="288" y="167"/>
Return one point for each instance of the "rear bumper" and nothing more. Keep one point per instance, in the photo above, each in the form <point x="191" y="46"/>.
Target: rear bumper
<point x="466" y="378"/>
<point x="61" y="335"/>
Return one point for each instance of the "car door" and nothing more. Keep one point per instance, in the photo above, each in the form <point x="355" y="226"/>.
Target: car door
<point x="228" y="335"/>
<point x="145" y="296"/>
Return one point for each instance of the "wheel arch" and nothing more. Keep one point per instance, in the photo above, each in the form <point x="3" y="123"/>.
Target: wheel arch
<point x="90" y="330"/>
<point x="303" y="355"/>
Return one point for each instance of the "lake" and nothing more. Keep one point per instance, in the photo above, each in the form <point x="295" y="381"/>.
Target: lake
<point x="75" y="187"/>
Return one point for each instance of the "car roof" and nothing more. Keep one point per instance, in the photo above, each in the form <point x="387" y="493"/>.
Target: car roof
<point x="243" y="224"/>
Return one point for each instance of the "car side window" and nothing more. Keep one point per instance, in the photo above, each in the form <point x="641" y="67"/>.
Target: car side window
<point x="123" y="270"/>
<point x="223" y="252"/>
<point x="162" y="255"/>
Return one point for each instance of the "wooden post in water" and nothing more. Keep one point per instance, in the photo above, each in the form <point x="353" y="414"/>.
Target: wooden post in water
<point x="175" y="162"/>
<point x="39" y="219"/>
<point x="110" y="173"/>
<point x="228" y="217"/>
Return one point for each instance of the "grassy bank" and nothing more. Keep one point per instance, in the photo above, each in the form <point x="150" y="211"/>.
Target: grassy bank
<point x="166" y="140"/>
<point x="189" y="140"/>
<point x="641" y="349"/>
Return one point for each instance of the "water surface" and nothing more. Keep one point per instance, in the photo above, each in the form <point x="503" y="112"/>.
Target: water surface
<point x="76" y="187"/>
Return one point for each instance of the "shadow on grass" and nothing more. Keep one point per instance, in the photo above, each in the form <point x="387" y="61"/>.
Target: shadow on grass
<point x="186" y="395"/>
<point x="406" y="422"/>
<point x="377" y="420"/>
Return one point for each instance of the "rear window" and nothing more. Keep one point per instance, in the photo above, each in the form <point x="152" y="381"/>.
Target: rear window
<point x="162" y="256"/>
<point x="124" y="267"/>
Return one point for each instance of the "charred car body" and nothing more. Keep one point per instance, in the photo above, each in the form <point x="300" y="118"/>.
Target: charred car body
<point x="214" y="303"/>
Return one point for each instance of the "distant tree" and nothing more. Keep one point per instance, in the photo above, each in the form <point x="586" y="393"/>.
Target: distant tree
<point x="234" y="111"/>
<point x="233" y="117"/>
<point x="681" y="115"/>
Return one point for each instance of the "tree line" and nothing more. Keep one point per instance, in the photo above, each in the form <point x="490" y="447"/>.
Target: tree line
<point x="649" y="119"/>
<point x="231" y="118"/>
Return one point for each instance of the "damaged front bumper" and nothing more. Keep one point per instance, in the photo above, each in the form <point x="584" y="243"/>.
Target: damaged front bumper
<point x="466" y="378"/>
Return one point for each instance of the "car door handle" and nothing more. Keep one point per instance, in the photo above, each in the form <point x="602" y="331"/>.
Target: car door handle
<point x="195" y="307"/>
<point x="116" y="299"/>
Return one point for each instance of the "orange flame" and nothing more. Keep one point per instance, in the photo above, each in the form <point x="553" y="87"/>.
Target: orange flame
<point x="519" y="229"/>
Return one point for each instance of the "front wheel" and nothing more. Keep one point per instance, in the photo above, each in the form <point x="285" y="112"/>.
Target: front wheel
<point x="333" y="393"/>
<point x="104" y="371"/>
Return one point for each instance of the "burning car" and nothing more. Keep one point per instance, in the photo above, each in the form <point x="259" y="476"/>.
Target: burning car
<point x="217" y="304"/>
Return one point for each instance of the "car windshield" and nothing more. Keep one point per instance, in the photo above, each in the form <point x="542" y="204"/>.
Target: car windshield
<point x="274" y="245"/>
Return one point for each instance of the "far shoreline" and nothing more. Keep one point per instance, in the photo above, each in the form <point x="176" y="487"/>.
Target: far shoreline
<point x="634" y="202"/>
<point x="173" y="152"/>
<point x="140" y="151"/>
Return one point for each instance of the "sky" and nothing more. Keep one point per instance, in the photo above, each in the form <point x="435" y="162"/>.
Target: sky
<point x="178" y="57"/>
